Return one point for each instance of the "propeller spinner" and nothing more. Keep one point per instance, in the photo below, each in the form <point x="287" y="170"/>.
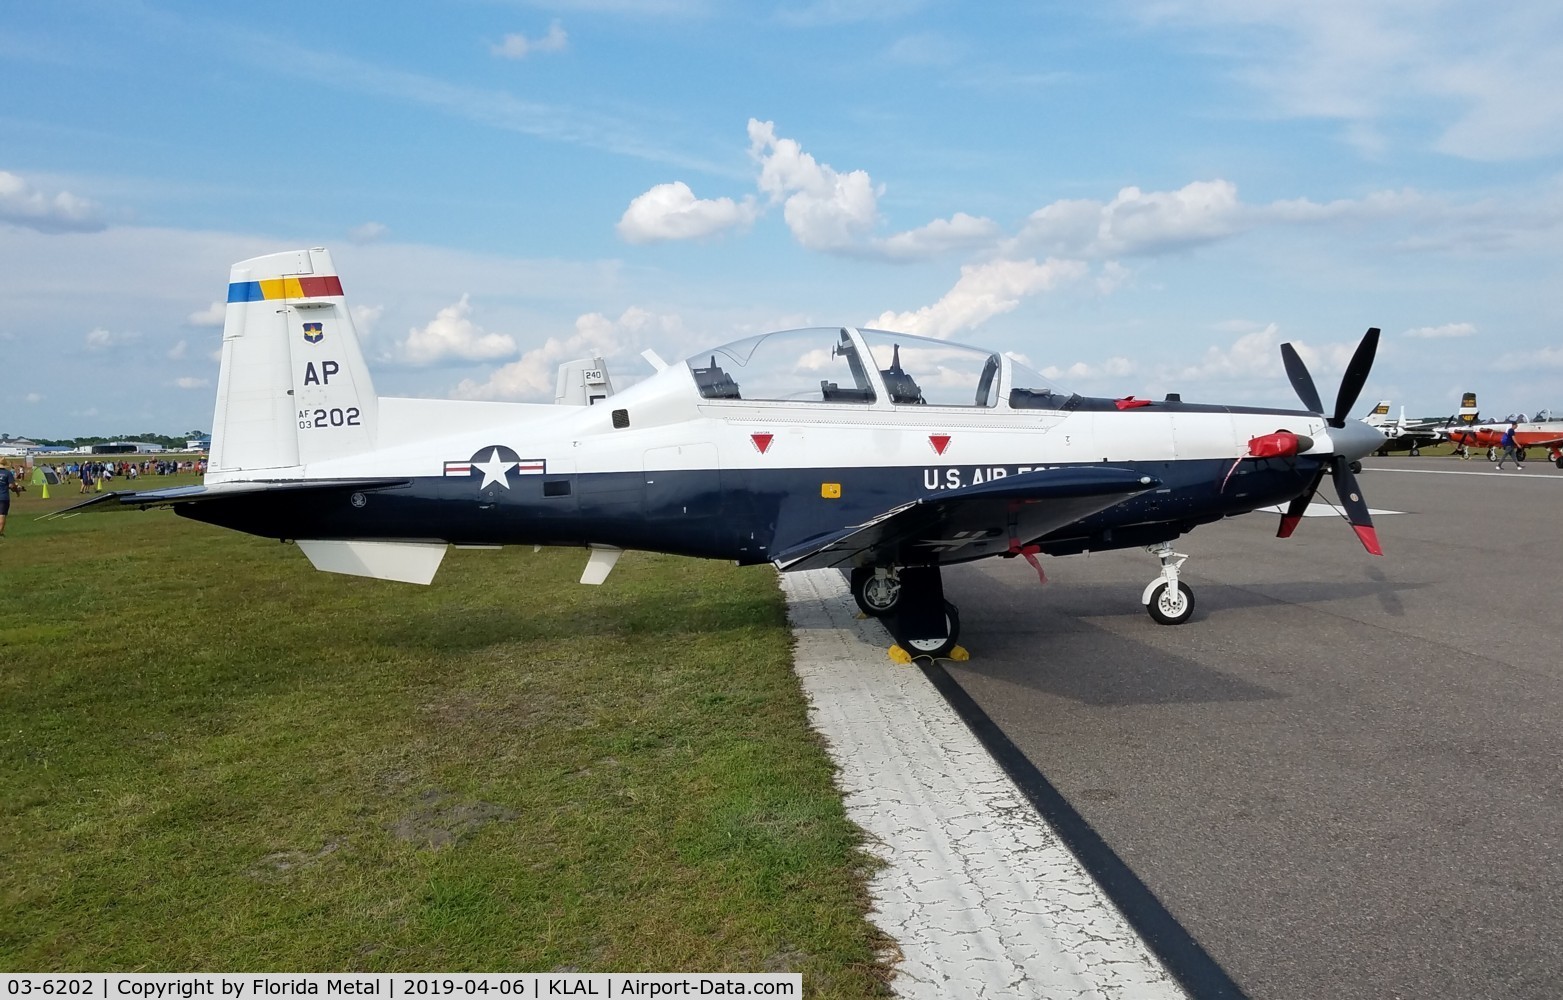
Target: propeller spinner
<point x="1346" y="443"/>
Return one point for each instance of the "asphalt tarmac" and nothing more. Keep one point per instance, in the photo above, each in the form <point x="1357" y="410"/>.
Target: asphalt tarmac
<point x="1343" y="777"/>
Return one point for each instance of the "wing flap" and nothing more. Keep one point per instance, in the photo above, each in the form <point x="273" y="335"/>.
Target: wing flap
<point x="974" y="521"/>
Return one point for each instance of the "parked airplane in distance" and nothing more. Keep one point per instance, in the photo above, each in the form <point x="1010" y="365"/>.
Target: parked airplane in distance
<point x="1543" y="431"/>
<point x="886" y="455"/>
<point x="1401" y="434"/>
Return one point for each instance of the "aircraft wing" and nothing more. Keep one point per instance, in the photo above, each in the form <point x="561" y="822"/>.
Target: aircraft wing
<point x="973" y="521"/>
<point x="143" y="499"/>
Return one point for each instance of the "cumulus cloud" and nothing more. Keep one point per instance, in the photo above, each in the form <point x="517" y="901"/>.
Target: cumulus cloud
<point x="1257" y="355"/>
<point x="1442" y="332"/>
<point x="33" y="397"/>
<point x="23" y="204"/>
<point x="824" y="209"/>
<point x="959" y="231"/>
<point x="212" y="315"/>
<point x="368" y="232"/>
<point x="365" y="319"/>
<point x="533" y="375"/>
<point x="100" y="339"/>
<point x="672" y="212"/>
<point x="982" y="292"/>
<point x="178" y="351"/>
<point x="518" y="46"/>
<point x="1136" y="222"/>
<point x="190" y="382"/>
<point x="452" y="335"/>
<point x="1080" y="371"/>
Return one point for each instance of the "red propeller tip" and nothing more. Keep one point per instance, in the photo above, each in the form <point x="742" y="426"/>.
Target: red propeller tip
<point x="1289" y="524"/>
<point x="1368" y="537"/>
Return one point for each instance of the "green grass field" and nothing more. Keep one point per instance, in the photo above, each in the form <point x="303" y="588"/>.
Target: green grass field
<point x="215" y="758"/>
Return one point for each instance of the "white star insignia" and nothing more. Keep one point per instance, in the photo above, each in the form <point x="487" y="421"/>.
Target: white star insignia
<point x="494" y="470"/>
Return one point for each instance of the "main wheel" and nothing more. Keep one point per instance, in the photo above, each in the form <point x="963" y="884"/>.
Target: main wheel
<point x="1171" y="607"/>
<point x="1416" y="452"/>
<point x="934" y="648"/>
<point x="1492" y="453"/>
<point x="1519" y="456"/>
<point x="1355" y="467"/>
<point x="1558" y="461"/>
<point x="876" y="595"/>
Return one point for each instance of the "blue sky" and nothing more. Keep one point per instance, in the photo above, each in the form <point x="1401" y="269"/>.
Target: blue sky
<point x="1135" y="196"/>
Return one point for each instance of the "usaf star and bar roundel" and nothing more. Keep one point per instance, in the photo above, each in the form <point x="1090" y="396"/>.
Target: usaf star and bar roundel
<point x="496" y="463"/>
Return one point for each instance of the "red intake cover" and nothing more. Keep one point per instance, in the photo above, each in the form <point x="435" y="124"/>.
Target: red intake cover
<point x="1277" y="445"/>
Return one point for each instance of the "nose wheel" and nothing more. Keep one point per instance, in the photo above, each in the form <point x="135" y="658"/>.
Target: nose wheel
<point x="1168" y="600"/>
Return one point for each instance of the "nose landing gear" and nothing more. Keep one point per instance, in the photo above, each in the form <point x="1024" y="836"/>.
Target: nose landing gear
<point x="1168" y="600"/>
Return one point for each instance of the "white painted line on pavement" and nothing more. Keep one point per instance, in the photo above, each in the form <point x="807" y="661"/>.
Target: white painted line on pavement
<point x="1491" y="470"/>
<point x="978" y="891"/>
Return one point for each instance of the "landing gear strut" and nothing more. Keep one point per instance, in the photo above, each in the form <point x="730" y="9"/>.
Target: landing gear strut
<point x="1168" y="600"/>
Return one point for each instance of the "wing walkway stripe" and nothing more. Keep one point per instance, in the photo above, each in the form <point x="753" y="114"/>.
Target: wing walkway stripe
<point x="1183" y="956"/>
<point x="979" y="893"/>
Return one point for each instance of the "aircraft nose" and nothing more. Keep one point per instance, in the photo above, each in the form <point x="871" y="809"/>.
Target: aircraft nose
<point x="1356" y="439"/>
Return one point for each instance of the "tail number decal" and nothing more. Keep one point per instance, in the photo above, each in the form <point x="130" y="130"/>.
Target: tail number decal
<point x="334" y="417"/>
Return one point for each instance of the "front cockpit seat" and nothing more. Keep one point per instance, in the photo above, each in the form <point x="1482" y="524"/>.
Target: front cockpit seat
<point x="714" y="383"/>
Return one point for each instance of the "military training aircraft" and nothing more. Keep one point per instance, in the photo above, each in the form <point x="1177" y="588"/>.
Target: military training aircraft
<point x="886" y="455"/>
<point x="1400" y="434"/>
<point x="1542" y="432"/>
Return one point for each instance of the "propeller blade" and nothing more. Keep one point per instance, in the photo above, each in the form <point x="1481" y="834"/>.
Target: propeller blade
<point x="1356" y="377"/>
<point x="1356" y="508"/>
<point x="1294" y="510"/>
<point x="1301" y="380"/>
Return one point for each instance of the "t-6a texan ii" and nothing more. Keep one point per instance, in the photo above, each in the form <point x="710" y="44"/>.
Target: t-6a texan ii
<point x="886" y="455"/>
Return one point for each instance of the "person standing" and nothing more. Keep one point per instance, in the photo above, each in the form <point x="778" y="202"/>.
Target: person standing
<point x="8" y="485"/>
<point x="1507" y="442"/>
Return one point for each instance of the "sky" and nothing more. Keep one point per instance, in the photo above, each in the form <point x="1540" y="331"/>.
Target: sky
<point x="1133" y="196"/>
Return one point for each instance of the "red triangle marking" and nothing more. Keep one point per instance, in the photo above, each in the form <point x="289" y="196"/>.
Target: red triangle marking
<point x="939" y="442"/>
<point x="762" y="441"/>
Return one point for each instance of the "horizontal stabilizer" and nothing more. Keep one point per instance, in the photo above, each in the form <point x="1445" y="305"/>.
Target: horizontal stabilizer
<point x="404" y="562"/>
<point x="143" y="499"/>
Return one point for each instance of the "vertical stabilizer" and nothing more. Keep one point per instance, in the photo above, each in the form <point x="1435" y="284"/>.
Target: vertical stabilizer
<point x="583" y="382"/>
<point x="1468" y="412"/>
<point x="293" y="389"/>
<point x="1380" y="415"/>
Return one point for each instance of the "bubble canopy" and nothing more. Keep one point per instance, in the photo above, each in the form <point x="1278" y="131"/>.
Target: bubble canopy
<point x="843" y="365"/>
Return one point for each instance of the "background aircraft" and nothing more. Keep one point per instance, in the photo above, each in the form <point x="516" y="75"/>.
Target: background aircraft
<point x="886" y="455"/>
<point x="1400" y="434"/>
<point x="1543" y="433"/>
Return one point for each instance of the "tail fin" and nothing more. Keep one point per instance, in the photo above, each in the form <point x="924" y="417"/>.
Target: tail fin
<point x="1468" y="412"/>
<point x="583" y="382"/>
<point x="293" y="389"/>
<point x="1380" y="415"/>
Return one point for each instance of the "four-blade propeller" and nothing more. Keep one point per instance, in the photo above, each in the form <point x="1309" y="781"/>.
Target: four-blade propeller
<point x="1340" y="467"/>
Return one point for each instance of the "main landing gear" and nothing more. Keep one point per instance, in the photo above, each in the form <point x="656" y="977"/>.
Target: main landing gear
<point x="876" y="589"/>
<point x="1168" y="599"/>
<point x="911" y="601"/>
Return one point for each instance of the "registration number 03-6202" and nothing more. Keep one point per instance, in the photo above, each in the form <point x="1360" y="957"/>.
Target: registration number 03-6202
<point x="335" y="417"/>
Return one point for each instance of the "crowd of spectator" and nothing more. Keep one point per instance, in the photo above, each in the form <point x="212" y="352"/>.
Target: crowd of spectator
<point x="90" y="474"/>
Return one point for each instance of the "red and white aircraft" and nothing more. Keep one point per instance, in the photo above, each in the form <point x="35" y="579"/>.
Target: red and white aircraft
<point x="1543" y="432"/>
<point x="886" y="455"/>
